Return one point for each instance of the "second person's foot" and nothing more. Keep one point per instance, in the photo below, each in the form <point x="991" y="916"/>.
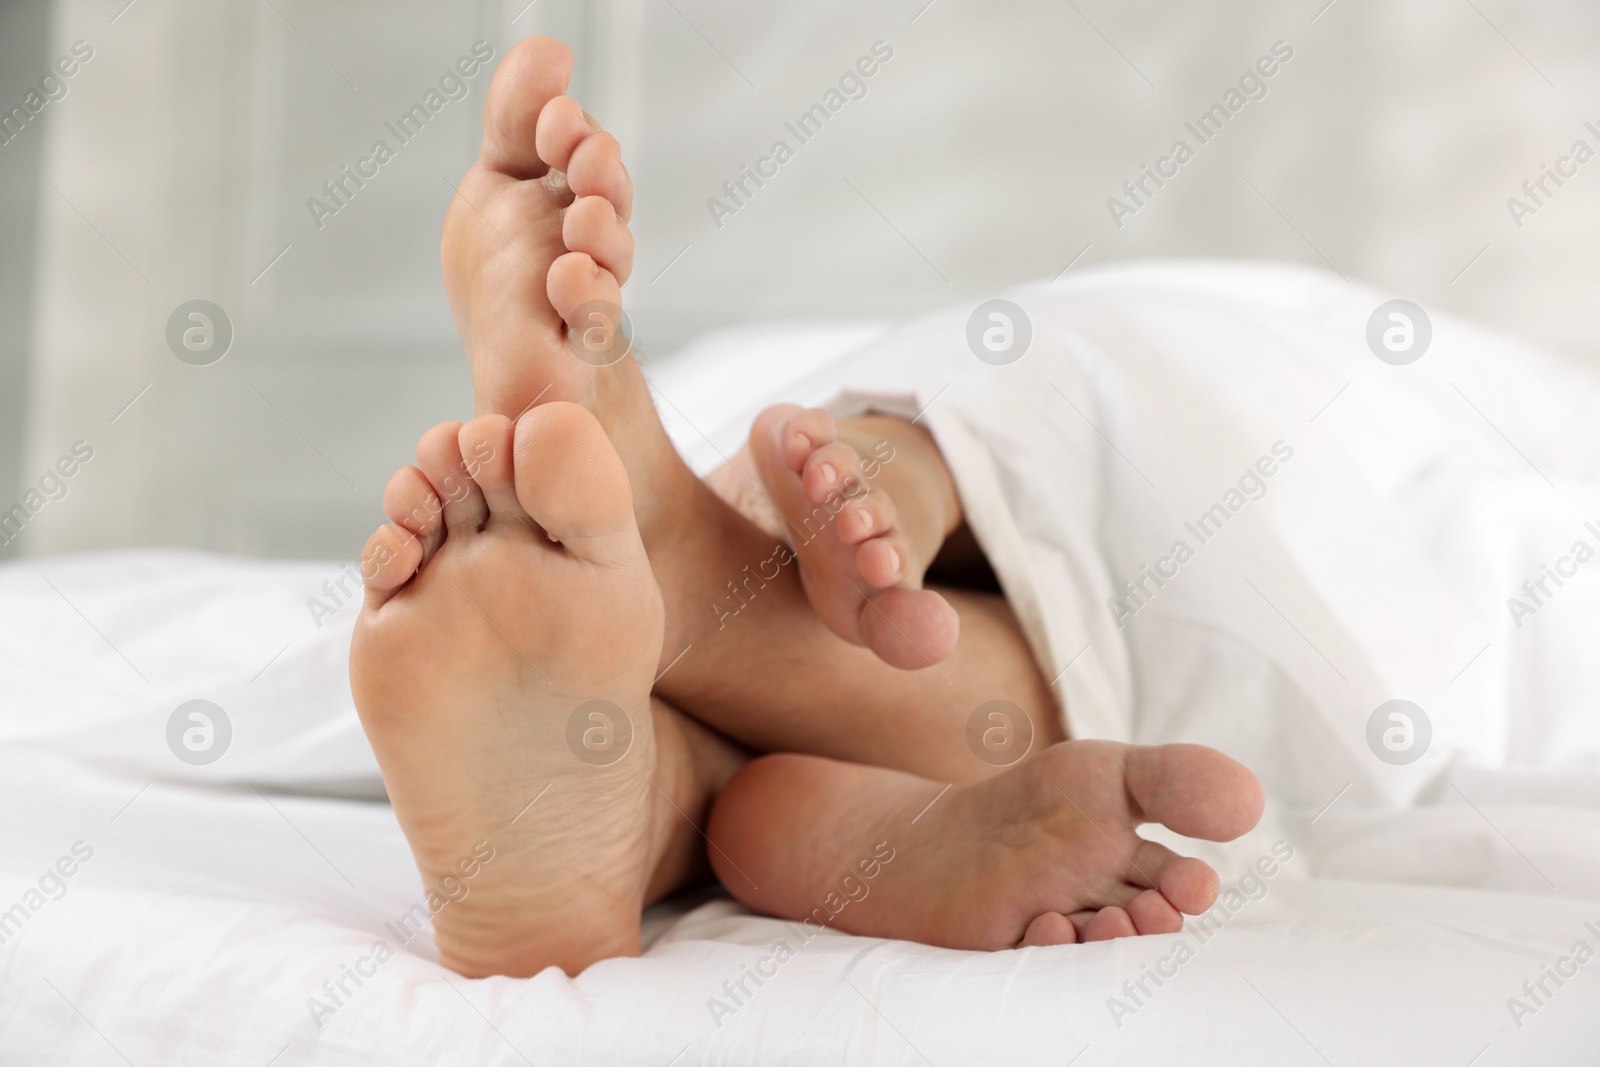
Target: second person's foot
<point x="536" y="244"/>
<point x="501" y="666"/>
<point x="866" y="510"/>
<point x="1047" y="853"/>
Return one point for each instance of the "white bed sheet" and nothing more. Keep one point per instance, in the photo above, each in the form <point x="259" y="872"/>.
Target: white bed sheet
<point x="207" y="918"/>
<point x="219" y="899"/>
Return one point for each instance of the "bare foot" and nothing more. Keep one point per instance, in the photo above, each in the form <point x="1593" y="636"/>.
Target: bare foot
<point x="862" y="551"/>
<point x="536" y="241"/>
<point x="535" y="245"/>
<point x="511" y="592"/>
<point x="1046" y="853"/>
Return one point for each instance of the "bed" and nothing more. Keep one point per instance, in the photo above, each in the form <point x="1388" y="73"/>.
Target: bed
<point x="249" y="910"/>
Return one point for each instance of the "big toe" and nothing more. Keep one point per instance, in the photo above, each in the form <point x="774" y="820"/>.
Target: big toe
<point x="1197" y="791"/>
<point x="909" y="628"/>
<point x="533" y="73"/>
<point x="570" y="480"/>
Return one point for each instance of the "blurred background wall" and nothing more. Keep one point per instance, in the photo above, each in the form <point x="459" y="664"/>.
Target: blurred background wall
<point x="176" y="162"/>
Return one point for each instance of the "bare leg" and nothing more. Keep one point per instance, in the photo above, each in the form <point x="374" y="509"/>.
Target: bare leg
<point x="759" y="665"/>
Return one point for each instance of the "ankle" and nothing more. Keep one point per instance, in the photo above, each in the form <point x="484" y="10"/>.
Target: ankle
<point x="693" y="763"/>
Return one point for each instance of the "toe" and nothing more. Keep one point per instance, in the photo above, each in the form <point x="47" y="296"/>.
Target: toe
<point x="871" y="515"/>
<point x="596" y="170"/>
<point x="1151" y="913"/>
<point x="485" y="445"/>
<point x="776" y="461"/>
<point x="1106" y="924"/>
<point x="831" y="472"/>
<point x="391" y="556"/>
<point x="561" y="127"/>
<point x="588" y="299"/>
<point x="410" y="502"/>
<point x="881" y="562"/>
<point x="1051" y="928"/>
<point x="909" y="628"/>
<point x="1197" y="791"/>
<point x="570" y="480"/>
<point x="591" y="226"/>
<point x="1188" y="884"/>
<point x="532" y="74"/>
<point x="804" y="431"/>
<point x="439" y="456"/>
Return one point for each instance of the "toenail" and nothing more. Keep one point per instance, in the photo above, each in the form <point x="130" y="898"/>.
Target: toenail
<point x="799" y="442"/>
<point x="829" y="473"/>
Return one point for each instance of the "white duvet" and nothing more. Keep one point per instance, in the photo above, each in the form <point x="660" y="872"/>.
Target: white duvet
<point x="1443" y="910"/>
